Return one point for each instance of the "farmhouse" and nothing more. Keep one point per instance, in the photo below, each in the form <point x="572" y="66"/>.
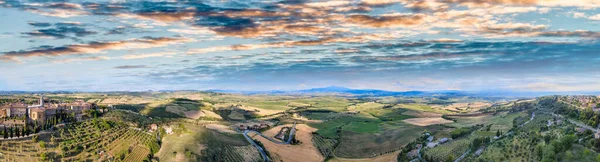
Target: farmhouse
<point x="153" y="127"/>
<point x="430" y="138"/>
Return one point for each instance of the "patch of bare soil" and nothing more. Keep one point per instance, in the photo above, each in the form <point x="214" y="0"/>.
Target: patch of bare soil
<point x="427" y="121"/>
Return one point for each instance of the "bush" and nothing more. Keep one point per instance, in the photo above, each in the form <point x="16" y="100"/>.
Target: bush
<point x="43" y="156"/>
<point x="42" y="144"/>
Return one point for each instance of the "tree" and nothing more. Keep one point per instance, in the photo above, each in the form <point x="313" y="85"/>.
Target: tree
<point x="567" y="141"/>
<point x="12" y="132"/>
<point x="568" y="155"/>
<point x="586" y="152"/>
<point x="549" y="153"/>
<point x="17" y="132"/>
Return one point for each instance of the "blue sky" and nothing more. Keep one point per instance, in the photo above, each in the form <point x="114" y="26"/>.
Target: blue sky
<point x="399" y="45"/>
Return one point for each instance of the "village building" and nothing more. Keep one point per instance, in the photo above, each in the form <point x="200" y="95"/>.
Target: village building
<point x="16" y="110"/>
<point x="443" y="140"/>
<point x="38" y="114"/>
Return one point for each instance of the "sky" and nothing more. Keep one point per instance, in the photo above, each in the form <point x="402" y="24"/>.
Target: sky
<point x="397" y="45"/>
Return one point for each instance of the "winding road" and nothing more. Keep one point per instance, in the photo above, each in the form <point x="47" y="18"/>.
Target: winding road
<point x="260" y="149"/>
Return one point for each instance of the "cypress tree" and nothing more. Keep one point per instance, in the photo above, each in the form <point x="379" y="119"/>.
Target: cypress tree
<point x="5" y="133"/>
<point x="11" y="132"/>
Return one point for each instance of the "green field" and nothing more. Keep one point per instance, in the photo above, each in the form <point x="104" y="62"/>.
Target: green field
<point x="362" y="127"/>
<point x="329" y="128"/>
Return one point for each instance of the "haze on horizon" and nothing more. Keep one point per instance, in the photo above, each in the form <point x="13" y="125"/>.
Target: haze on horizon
<point x="524" y="45"/>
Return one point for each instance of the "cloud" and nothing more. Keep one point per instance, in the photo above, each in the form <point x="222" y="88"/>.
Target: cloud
<point x="61" y="31"/>
<point x="349" y="50"/>
<point x="550" y="3"/>
<point x="193" y="31"/>
<point x="130" y="67"/>
<point x="426" y="6"/>
<point x="378" y="3"/>
<point x="141" y="56"/>
<point x="446" y="40"/>
<point x="94" y="47"/>
<point x="39" y="24"/>
<point x="95" y="58"/>
<point x="578" y="33"/>
<point x="328" y="4"/>
<point x="427" y="57"/>
<point x="595" y="17"/>
<point x="65" y="5"/>
<point x="61" y="13"/>
<point x="401" y="20"/>
<point x="238" y="47"/>
<point x="164" y="17"/>
<point x="558" y="87"/>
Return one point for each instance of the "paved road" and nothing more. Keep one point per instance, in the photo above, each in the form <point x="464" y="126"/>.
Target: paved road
<point x="532" y="116"/>
<point x="462" y="156"/>
<point x="260" y="149"/>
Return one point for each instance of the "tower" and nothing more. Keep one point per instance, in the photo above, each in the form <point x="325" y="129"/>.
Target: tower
<point x="42" y="100"/>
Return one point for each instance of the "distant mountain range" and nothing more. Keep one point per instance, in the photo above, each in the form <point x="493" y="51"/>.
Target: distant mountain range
<point x="375" y="92"/>
<point x="332" y="90"/>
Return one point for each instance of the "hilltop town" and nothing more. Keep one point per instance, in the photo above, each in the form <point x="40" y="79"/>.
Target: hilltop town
<point x="43" y="110"/>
